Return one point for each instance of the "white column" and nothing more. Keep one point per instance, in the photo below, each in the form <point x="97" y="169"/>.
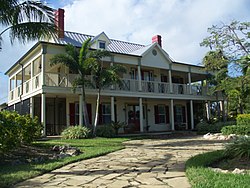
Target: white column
<point x="189" y="82"/>
<point x="112" y="108"/>
<point x="80" y="110"/>
<point x="67" y="112"/>
<point x="172" y="114"/>
<point x="43" y="60"/>
<point x="141" y="114"/>
<point x="192" y="114"/>
<point x="32" y="107"/>
<point x="31" y="75"/>
<point x="208" y="110"/>
<point x="43" y="113"/>
<point x="170" y="78"/>
<point x="139" y="77"/>
<point x="223" y="110"/>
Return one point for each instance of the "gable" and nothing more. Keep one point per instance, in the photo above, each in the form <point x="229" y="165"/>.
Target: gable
<point x="101" y="39"/>
<point x="154" y="57"/>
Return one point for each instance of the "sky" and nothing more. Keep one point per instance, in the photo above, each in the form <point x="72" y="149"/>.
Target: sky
<point x="181" y="23"/>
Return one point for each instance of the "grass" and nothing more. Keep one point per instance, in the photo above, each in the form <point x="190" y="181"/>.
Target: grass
<point x="10" y="175"/>
<point x="202" y="177"/>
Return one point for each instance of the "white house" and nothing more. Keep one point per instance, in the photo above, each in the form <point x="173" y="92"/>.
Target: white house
<point x="158" y="94"/>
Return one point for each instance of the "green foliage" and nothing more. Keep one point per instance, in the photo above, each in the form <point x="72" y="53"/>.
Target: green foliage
<point x="105" y="131"/>
<point x="26" y="20"/>
<point x="235" y="129"/>
<point x="16" y="129"/>
<point x="243" y="119"/>
<point x="239" y="148"/>
<point x="201" y="177"/>
<point x="75" y="132"/>
<point x="117" y="125"/>
<point x="204" y="127"/>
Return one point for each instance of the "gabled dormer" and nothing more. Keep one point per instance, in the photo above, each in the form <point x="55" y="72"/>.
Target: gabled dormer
<point x="100" y="41"/>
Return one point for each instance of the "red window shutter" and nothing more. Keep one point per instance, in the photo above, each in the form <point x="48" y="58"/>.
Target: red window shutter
<point x="156" y="115"/>
<point x="89" y="113"/>
<point x="72" y="113"/>
<point x="167" y="114"/>
<point x="183" y="114"/>
<point x="100" y="114"/>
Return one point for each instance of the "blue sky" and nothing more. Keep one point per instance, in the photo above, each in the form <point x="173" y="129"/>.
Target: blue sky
<point x="181" y="23"/>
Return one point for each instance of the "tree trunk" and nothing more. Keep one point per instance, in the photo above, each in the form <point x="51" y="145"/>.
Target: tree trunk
<point x="96" y="112"/>
<point x="85" y="110"/>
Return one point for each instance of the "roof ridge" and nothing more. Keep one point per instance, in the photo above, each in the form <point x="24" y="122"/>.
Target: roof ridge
<point x="110" y="39"/>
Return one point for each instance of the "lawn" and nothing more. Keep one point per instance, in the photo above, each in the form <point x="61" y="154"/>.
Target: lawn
<point x="202" y="177"/>
<point x="12" y="174"/>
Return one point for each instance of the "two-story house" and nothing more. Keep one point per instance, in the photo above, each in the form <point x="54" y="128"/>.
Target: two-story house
<point x="158" y="94"/>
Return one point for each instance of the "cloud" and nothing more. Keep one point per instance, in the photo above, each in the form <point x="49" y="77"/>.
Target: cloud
<point x="182" y="23"/>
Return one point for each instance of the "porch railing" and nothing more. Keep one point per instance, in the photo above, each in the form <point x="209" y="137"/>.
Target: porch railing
<point x="130" y="85"/>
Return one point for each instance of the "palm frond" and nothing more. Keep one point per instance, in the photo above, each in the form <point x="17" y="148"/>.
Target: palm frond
<point x="65" y="59"/>
<point x="31" y="31"/>
<point x="84" y="51"/>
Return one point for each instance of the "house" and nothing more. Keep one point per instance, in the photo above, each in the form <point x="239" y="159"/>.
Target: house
<point x="158" y="94"/>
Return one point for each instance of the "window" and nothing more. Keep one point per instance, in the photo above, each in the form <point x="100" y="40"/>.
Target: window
<point x="106" y="113"/>
<point x="161" y="114"/>
<point x="180" y="114"/>
<point x="102" y="45"/>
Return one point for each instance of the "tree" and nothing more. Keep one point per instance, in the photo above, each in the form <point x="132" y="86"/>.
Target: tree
<point x="104" y="77"/>
<point x="230" y="48"/>
<point x="233" y="40"/>
<point x="79" y="62"/>
<point x="26" y="20"/>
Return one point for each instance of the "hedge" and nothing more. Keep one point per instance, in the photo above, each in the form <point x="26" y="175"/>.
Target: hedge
<point x="243" y="119"/>
<point x="235" y="129"/>
<point x="204" y="127"/>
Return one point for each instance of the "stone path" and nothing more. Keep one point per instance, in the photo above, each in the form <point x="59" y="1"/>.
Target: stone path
<point x="143" y="163"/>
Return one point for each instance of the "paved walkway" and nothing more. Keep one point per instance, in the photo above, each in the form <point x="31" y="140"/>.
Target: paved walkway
<point x="143" y="163"/>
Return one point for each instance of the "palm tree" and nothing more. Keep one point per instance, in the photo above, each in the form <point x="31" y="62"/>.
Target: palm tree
<point x="26" y="20"/>
<point x="104" y="77"/>
<point x="79" y="62"/>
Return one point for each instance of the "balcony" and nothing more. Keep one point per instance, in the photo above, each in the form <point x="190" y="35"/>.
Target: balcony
<point x="128" y="85"/>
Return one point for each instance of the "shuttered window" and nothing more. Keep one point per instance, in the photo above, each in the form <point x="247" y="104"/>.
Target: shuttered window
<point x="161" y="114"/>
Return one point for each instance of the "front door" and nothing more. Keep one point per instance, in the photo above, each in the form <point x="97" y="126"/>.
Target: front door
<point x="133" y="114"/>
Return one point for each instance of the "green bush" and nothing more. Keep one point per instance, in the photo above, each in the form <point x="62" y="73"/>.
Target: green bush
<point x="239" y="148"/>
<point x="235" y="129"/>
<point x="116" y="125"/>
<point x="106" y="131"/>
<point x="16" y="129"/>
<point x="243" y="119"/>
<point x="75" y="132"/>
<point x="204" y="127"/>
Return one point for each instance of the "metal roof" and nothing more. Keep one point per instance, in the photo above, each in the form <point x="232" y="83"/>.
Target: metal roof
<point x="116" y="46"/>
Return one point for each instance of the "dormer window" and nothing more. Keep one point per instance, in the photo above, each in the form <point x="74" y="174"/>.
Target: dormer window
<point x="102" y="44"/>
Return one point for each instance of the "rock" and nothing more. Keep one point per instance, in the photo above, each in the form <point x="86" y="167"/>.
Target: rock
<point x="73" y="151"/>
<point x="238" y="171"/>
<point x="17" y="162"/>
<point x="63" y="155"/>
<point x="56" y="148"/>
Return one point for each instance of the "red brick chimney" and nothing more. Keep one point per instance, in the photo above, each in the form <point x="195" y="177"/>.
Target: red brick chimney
<point x="157" y="38"/>
<point x="59" y="22"/>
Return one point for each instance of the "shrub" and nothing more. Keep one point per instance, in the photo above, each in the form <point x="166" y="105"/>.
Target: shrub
<point x="243" y="119"/>
<point x="239" y="148"/>
<point x="205" y="127"/>
<point x="16" y="129"/>
<point x="75" y="132"/>
<point x="235" y="129"/>
<point x="117" y="125"/>
<point x="106" y="131"/>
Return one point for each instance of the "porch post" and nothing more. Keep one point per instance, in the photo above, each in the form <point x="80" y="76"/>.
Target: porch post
<point x="43" y="113"/>
<point x="139" y="74"/>
<point x="222" y="104"/>
<point x="172" y="114"/>
<point x="31" y="75"/>
<point x="192" y="114"/>
<point x="112" y="108"/>
<point x="43" y="59"/>
<point x="208" y="110"/>
<point x="32" y="107"/>
<point x="170" y="78"/>
<point x="80" y="110"/>
<point x="189" y="81"/>
<point x="141" y="114"/>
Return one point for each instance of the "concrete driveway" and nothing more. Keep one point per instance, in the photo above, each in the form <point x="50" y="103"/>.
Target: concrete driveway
<point x="143" y="163"/>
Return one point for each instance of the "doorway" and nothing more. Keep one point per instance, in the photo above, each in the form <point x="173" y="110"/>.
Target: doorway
<point x="133" y="117"/>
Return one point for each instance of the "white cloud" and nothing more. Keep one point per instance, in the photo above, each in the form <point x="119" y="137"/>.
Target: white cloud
<point x="182" y="23"/>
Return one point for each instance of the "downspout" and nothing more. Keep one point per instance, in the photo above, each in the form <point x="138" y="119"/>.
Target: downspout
<point x="22" y="81"/>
